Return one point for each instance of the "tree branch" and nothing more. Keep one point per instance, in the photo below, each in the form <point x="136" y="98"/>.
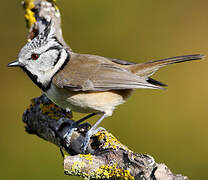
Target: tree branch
<point x="107" y="158"/>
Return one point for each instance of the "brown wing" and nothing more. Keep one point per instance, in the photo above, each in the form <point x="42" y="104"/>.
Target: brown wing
<point x="119" y="61"/>
<point x="95" y="73"/>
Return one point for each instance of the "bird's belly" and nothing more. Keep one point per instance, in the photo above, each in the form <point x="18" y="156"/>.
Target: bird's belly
<point x="85" y="102"/>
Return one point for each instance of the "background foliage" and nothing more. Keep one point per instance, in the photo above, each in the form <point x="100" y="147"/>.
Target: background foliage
<point x="170" y="125"/>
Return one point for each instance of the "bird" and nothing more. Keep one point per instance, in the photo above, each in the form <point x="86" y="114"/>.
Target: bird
<point x="86" y="83"/>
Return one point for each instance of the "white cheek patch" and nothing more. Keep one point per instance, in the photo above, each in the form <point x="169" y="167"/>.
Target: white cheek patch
<point x="61" y="61"/>
<point x="47" y="59"/>
<point x="47" y="65"/>
<point x="47" y="76"/>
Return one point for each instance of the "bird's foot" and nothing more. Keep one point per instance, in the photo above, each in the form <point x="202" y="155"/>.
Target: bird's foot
<point x="64" y="129"/>
<point x="67" y="136"/>
<point x="88" y="135"/>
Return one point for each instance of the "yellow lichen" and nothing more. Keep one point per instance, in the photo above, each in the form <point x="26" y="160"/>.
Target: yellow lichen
<point x="77" y="170"/>
<point x="110" y="141"/>
<point x="87" y="157"/>
<point x="29" y="14"/>
<point x="53" y="111"/>
<point x="107" y="171"/>
<point x="103" y="172"/>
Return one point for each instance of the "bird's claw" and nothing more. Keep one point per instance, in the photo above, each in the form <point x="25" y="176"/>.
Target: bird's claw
<point x="88" y="135"/>
<point x="64" y="129"/>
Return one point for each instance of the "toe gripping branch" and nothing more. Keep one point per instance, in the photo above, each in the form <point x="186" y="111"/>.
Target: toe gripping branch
<point x="105" y="157"/>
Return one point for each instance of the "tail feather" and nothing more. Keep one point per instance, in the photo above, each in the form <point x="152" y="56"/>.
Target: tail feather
<point x="149" y="68"/>
<point x="155" y="82"/>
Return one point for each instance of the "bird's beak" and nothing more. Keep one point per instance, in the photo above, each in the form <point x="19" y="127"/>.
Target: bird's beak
<point x="14" y="64"/>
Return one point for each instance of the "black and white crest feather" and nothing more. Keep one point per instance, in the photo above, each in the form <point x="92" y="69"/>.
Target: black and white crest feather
<point x="43" y="37"/>
<point x="52" y="56"/>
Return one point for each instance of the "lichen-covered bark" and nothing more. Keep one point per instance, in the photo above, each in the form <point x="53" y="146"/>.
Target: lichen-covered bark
<point x="106" y="157"/>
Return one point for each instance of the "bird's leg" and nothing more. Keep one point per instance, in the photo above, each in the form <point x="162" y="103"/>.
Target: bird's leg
<point x="76" y="125"/>
<point x="85" y="118"/>
<point x="93" y="130"/>
<point x="94" y="127"/>
<point x="61" y="151"/>
<point x="63" y="129"/>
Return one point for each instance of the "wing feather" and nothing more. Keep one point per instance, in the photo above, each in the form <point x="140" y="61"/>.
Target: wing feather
<point x="95" y="73"/>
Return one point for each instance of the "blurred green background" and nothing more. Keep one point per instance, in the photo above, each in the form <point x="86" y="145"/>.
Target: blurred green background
<point x="170" y="125"/>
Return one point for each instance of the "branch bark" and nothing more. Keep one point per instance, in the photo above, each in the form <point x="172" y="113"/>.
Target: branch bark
<point x="106" y="158"/>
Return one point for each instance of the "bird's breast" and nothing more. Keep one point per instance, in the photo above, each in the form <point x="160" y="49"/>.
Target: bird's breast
<point x="87" y="102"/>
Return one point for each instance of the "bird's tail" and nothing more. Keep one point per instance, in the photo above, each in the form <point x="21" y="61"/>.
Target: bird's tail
<point x="147" y="69"/>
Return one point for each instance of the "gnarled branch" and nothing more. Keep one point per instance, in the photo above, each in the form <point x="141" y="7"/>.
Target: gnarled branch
<point x="106" y="157"/>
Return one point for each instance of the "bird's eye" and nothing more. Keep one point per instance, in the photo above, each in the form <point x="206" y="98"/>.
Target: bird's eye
<point x="35" y="56"/>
